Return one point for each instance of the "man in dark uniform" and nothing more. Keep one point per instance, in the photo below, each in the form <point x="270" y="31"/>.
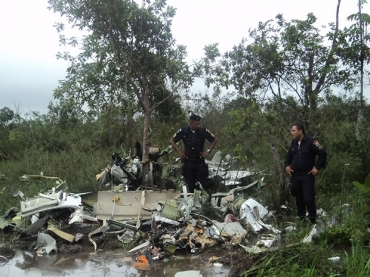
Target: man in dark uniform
<point x="193" y="158"/>
<point x="301" y="164"/>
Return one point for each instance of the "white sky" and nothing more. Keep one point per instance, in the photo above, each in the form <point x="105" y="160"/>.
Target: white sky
<point x="29" y="70"/>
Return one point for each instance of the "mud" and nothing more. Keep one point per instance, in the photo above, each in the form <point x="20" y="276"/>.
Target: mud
<point x="112" y="257"/>
<point x="107" y="262"/>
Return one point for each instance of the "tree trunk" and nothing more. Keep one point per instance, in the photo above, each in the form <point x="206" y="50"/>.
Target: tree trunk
<point x="146" y="140"/>
<point x="329" y="60"/>
<point x="279" y="173"/>
<point x="360" y="111"/>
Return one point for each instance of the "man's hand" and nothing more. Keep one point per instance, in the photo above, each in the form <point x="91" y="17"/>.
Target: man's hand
<point x="313" y="171"/>
<point x="289" y="170"/>
<point x="204" y="155"/>
<point x="182" y="155"/>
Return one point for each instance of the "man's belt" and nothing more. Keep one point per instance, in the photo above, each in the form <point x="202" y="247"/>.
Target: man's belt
<point x="301" y="173"/>
<point x="194" y="160"/>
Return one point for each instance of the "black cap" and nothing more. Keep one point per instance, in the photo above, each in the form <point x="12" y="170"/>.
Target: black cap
<point x="195" y="117"/>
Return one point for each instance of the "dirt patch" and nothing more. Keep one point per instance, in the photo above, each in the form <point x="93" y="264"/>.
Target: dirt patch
<point x="64" y="248"/>
<point x="14" y="241"/>
<point x="237" y="260"/>
<point x="6" y="252"/>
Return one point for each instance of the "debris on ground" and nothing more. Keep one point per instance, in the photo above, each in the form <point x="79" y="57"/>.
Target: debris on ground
<point x="149" y="223"/>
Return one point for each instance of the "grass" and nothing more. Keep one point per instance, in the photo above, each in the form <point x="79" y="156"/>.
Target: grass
<point x="348" y="238"/>
<point x="77" y="169"/>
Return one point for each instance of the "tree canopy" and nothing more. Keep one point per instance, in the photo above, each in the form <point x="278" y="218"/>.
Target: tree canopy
<point x="128" y="52"/>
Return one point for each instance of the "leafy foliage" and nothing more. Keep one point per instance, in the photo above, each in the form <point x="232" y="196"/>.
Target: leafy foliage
<point x="365" y="187"/>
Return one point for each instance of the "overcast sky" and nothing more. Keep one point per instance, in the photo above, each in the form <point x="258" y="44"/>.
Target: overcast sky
<point x="30" y="71"/>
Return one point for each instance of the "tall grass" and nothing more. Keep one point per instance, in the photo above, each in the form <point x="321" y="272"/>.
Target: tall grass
<point x="76" y="168"/>
<point x="342" y="232"/>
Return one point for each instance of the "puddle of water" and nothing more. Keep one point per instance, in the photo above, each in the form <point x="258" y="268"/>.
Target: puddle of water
<point x="103" y="264"/>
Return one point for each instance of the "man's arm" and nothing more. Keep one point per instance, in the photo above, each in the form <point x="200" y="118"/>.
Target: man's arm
<point x="321" y="155"/>
<point x="178" y="149"/>
<point x="206" y="153"/>
<point x="288" y="157"/>
<point x="321" y="159"/>
<point x="288" y="161"/>
<point x="212" y="145"/>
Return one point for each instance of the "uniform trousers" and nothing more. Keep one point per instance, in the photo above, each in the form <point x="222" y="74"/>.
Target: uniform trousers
<point x="195" y="171"/>
<point x="303" y="186"/>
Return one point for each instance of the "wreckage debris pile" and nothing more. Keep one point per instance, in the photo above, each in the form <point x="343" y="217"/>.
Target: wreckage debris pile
<point x="147" y="224"/>
<point x="173" y="224"/>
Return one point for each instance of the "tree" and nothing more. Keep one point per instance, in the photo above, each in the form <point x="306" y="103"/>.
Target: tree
<point x="128" y="51"/>
<point x="356" y="52"/>
<point x="283" y="58"/>
<point x="6" y="115"/>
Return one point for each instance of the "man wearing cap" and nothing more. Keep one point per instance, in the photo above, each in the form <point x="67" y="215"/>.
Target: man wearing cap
<point x="193" y="158"/>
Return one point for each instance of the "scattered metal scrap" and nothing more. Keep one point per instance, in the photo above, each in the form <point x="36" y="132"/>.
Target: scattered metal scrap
<point x="151" y="223"/>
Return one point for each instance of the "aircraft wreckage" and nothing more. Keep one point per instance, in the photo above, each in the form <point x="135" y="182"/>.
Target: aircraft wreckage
<point x="171" y="218"/>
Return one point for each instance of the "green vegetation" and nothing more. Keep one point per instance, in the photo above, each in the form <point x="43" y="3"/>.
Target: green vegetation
<point x="343" y="235"/>
<point x="133" y="83"/>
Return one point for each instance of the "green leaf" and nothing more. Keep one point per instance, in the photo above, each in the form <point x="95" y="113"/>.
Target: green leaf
<point x="361" y="187"/>
<point x="367" y="181"/>
<point x="367" y="217"/>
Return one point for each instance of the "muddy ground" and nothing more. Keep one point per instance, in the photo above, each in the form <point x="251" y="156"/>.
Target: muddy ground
<point x="234" y="259"/>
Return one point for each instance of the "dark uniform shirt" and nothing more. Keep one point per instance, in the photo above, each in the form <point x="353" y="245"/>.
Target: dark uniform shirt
<point x="301" y="158"/>
<point x="193" y="140"/>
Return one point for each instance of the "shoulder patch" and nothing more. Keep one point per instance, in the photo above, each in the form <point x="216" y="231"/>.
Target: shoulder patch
<point x="174" y="135"/>
<point x="208" y="131"/>
<point x="317" y="144"/>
